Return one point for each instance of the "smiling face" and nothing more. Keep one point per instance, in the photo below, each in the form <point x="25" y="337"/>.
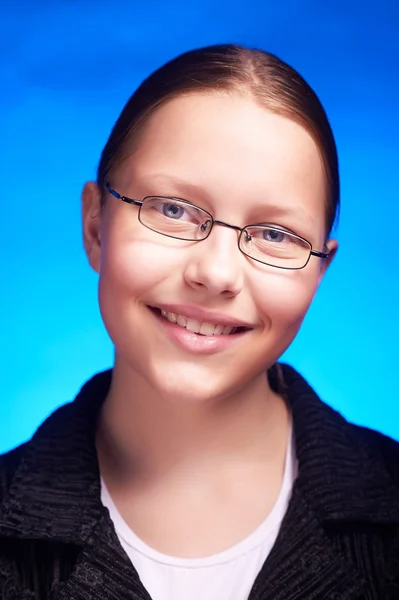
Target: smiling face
<point x="244" y="165"/>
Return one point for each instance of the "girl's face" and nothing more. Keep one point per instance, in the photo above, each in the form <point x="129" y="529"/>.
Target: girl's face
<point x="244" y="165"/>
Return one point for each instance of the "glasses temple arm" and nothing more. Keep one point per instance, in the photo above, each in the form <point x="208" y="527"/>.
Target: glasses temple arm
<point x="320" y="254"/>
<point x="124" y="198"/>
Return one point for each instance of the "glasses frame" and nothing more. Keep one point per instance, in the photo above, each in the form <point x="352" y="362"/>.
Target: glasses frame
<point x="241" y="230"/>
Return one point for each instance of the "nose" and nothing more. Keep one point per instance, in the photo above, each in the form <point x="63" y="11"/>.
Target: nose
<point x="216" y="264"/>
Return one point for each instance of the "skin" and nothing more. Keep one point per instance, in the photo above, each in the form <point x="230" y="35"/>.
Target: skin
<point x="202" y="436"/>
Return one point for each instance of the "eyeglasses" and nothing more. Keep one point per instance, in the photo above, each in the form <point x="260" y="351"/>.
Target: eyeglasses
<point x="179" y="219"/>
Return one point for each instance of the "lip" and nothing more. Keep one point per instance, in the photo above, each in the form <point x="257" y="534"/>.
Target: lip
<point x="193" y="342"/>
<point x="204" y="316"/>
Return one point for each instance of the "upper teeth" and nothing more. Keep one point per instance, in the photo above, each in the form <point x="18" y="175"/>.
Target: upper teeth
<point x="197" y="326"/>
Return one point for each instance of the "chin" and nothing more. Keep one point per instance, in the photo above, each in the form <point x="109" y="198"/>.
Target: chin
<point x="185" y="384"/>
<point x="190" y="383"/>
<point x="194" y="392"/>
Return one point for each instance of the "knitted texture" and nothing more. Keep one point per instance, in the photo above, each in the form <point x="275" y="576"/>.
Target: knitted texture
<point x="339" y="539"/>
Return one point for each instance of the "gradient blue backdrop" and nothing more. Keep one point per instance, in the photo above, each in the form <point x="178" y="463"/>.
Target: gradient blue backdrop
<point x="66" y="70"/>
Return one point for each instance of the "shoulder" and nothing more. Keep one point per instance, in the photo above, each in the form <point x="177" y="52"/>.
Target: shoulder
<point x="382" y="448"/>
<point x="9" y="463"/>
<point x="13" y="459"/>
<point x="350" y="471"/>
<point x="374" y="449"/>
<point x="366" y="454"/>
<point x="321" y="424"/>
<point x="58" y="436"/>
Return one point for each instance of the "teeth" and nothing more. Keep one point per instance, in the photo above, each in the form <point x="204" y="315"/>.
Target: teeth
<point x="181" y="320"/>
<point x="196" y="326"/>
<point x="193" y="325"/>
<point x="207" y="329"/>
<point x="227" y="330"/>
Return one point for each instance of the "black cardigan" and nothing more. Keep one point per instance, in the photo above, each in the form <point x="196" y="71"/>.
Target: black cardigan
<point x="339" y="539"/>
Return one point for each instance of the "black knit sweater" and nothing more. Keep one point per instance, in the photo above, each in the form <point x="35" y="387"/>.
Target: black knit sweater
<point x="339" y="539"/>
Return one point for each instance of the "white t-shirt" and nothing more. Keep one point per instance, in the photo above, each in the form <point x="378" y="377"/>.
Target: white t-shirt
<point x="228" y="575"/>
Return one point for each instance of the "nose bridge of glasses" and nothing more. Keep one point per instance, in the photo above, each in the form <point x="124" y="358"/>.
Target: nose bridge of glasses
<point x="212" y="222"/>
<point x="223" y="224"/>
<point x="220" y="257"/>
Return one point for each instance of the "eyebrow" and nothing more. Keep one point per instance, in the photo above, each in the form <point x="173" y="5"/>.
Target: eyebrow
<point x="278" y="211"/>
<point x="184" y="187"/>
<point x="181" y="185"/>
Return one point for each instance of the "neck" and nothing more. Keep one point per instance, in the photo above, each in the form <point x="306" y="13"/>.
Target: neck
<point x="142" y="436"/>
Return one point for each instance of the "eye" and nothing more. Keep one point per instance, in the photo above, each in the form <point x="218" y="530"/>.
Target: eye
<point x="274" y="235"/>
<point x="172" y="210"/>
<point x="271" y="235"/>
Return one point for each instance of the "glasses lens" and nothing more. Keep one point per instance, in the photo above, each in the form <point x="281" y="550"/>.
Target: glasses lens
<point x="175" y="218"/>
<point x="275" y="247"/>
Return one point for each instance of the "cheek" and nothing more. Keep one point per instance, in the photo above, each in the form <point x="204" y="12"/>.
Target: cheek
<point x="132" y="266"/>
<point x="283" y="298"/>
<point x="131" y="271"/>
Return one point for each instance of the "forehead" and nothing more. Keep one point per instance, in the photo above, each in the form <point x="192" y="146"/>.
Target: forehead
<point x="230" y="148"/>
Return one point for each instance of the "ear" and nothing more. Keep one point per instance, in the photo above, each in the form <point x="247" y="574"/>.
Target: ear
<point x="91" y="221"/>
<point x="332" y="248"/>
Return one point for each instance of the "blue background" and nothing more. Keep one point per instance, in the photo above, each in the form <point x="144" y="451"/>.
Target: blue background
<point x="66" y="70"/>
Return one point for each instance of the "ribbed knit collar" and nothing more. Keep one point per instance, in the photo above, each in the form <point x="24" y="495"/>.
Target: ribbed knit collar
<point x="339" y="472"/>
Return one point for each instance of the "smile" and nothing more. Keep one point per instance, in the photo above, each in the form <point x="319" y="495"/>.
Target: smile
<point x="199" y="326"/>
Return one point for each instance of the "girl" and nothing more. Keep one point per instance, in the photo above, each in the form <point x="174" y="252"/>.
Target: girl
<point x="200" y="467"/>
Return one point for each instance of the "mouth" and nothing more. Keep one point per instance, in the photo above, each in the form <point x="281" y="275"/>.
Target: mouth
<point x="201" y="328"/>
